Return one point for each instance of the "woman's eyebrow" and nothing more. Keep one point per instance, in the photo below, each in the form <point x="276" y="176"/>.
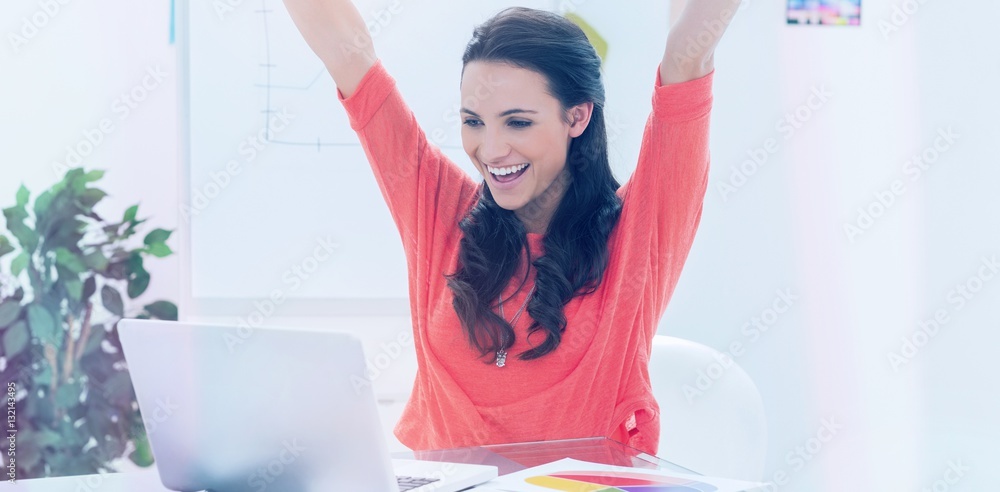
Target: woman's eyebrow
<point x="501" y="115"/>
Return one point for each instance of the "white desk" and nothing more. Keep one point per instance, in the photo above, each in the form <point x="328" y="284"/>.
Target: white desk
<point x="137" y="481"/>
<point x="508" y="458"/>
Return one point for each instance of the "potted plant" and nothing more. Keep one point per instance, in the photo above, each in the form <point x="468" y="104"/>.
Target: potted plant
<point x="60" y="301"/>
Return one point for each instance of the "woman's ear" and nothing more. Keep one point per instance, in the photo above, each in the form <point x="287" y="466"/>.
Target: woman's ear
<point x="579" y="118"/>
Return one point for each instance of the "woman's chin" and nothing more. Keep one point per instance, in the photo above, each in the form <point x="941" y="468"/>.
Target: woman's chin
<point x="507" y="202"/>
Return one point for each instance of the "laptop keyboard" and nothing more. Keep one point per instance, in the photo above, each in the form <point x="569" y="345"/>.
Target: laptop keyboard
<point x="410" y="483"/>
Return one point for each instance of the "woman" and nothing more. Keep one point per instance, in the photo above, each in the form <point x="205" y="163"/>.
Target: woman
<point x="536" y="293"/>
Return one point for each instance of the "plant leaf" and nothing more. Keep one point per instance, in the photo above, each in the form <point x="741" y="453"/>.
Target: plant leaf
<point x="156" y="236"/>
<point x="112" y="300"/>
<point x="135" y="263"/>
<point x="72" y="174"/>
<point x="5" y="246"/>
<point x="43" y="325"/>
<point x="9" y="311"/>
<point x="118" y="388"/>
<point x="70" y="260"/>
<point x="163" y="310"/>
<point x="22" y="196"/>
<point x="130" y="213"/>
<point x="15" y="339"/>
<point x="42" y="377"/>
<point x="94" y="342"/>
<point x="68" y="395"/>
<point x="160" y="250"/>
<point x="70" y="439"/>
<point x="45" y="437"/>
<point x="89" y="287"/>
<point x="28" y="453"/>
<point x="64" y="232"/>
<point x="15" y="224"/>
<point x="15" y="213"/>
<point x="42" y="202"/>
<point x="137" y="284"/>
<point x="117" y="270"/>
<point x="74" y="287"/>
<point x="90" y="197"/>
<point x="93" y="175"/>
<point x="73" y="179"/>
<point x="58" y="206"/>
<point x="18" y="264"/>
<point x="96" y="260"/>
<point x="143" y="455"/>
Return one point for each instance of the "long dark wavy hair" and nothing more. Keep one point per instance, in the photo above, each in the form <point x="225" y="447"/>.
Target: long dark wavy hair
<point x="576" y="242"/>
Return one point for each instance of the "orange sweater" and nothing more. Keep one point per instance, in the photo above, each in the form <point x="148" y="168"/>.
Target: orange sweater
<point x="596" y="383"/>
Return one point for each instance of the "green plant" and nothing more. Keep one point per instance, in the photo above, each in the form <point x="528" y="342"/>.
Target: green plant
<point x="76" y="410"/>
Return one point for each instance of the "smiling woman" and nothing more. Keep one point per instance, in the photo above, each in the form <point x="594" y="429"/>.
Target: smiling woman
<point x="528" y="138"/>
<point x="544" y="119"/>
<point x="549" y="258"/>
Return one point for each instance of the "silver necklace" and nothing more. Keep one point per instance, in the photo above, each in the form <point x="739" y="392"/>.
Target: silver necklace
<point x="502" y="354"/>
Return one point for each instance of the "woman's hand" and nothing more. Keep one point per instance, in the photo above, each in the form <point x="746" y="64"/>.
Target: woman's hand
<point x="336" y="32"/>
<point x="693" y="37"/>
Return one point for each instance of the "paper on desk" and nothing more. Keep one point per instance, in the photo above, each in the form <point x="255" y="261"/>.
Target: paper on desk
<point x="571" y="475"/>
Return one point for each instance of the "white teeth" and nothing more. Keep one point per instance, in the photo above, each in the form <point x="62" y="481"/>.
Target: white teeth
<point x="503" y="171"/>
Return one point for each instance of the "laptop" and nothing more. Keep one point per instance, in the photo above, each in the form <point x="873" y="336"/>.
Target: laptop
<point x="269" y="409"/>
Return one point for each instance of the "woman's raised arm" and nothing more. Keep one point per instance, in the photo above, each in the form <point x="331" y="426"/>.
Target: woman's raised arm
<point x="693" y="37"/>
<point x="337" y="33"/>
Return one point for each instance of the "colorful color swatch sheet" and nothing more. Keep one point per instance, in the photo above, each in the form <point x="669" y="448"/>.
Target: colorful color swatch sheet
<point x="618" y="482"/>
<point x="570" y="475"/>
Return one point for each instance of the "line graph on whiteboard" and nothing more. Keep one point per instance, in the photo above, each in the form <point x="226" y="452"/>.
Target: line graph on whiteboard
<point x="292" y="77"/>
<point x="310" y="178"/>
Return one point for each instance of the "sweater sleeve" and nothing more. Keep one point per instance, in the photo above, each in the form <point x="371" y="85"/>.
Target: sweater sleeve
<point x="426" y="193"/>
<point x="665" y="193"/>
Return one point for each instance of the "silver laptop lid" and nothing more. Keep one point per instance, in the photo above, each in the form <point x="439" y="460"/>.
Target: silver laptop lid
<point x="272" y="409"/>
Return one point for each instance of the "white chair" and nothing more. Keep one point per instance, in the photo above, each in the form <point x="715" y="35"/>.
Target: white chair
<point x="711" y="414"/>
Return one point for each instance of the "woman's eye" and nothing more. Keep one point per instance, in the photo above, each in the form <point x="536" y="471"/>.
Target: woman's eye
<point x="472" y="122"/>
<point x="520" y="124"/>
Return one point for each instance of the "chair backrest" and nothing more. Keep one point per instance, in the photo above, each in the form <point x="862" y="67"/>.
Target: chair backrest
<point x="711" y="414"/>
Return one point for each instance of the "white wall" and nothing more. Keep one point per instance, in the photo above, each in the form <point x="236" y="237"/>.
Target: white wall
<point x="826" y="356"/>
<point x="79" y="69"/>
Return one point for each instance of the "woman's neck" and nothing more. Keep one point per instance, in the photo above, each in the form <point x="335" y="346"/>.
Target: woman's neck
<point x="537" y="214"/>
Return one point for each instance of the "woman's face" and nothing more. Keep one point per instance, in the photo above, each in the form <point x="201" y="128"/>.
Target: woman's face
<point x="511" y="123"/>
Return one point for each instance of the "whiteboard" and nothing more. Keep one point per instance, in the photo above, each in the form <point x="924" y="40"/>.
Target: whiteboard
<point x="266" y="204"/>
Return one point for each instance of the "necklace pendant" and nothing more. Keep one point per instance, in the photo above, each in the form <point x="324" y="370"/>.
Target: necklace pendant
<point x="501" y="358"/>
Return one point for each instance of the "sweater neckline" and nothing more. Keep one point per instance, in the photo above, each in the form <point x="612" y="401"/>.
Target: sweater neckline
<point x="535" y="243"/>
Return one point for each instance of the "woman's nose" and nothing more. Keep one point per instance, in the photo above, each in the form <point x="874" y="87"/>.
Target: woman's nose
<point x="494" y="150"/>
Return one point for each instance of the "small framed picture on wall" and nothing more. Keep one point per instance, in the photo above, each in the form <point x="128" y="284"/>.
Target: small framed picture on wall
<point x="825" y="12"/>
